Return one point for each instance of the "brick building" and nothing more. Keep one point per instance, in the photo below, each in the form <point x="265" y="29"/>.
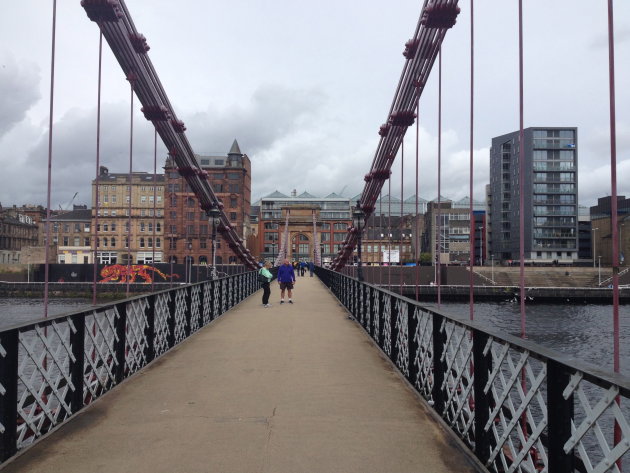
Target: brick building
<point x="188" y="232"/>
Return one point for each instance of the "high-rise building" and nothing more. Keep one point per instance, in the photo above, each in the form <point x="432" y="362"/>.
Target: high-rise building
<point x="188" y="230"/>
<point x="550" y="191"/>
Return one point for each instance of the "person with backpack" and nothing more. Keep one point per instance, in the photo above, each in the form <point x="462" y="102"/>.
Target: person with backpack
<point x="265" y="277"/>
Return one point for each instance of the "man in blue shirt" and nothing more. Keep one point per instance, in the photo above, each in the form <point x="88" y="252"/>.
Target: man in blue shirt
<point x="286" y="278"/>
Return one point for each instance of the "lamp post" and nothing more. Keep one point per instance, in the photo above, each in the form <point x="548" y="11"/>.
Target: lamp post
<point x="492" y="270"/>
<point x="213" y="214"/>
<point x="600" y="270"/>
<point x="594" y="244"/>
<point x="189" y="263"/>
<point x="621" y="246"/>
<point x="357" y="216"/>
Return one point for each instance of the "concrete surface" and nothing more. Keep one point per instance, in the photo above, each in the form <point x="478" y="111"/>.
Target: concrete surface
<point x="292" y="388"/>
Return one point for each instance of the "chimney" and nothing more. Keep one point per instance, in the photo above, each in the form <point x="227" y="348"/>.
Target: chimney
<point x="294" y="193"/>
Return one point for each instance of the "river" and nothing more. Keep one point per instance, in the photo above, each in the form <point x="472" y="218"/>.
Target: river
<point x="581" y="331"/>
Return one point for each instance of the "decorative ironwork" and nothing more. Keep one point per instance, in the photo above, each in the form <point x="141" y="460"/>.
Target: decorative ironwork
<point x="52" y="368"/>
<point x="195" y="298"/>
<point x="387" y="323"/>
<point x="136" y="338"/>
<point x="402" y="338"/>
<point x="207" y="303"/>
<point x="423" y="359"/>
<point x="518" y="407"/>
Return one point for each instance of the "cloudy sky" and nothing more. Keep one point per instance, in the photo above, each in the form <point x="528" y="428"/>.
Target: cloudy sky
<point x="304" y="87"/>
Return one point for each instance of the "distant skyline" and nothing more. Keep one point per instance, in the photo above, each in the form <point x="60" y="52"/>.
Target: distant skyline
<point x="304" y="91"/>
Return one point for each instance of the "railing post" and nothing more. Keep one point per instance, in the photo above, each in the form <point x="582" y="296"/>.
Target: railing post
<point x="149" y="330"/>
<point x="77" y="367"/>
<point x="121" y="342"/>
<point x="8" y="401"/>
<point x="188" y="313"/>
<point x="482" y="366"/>
<point x="171" y="317"/>
<point x="439" y="366"/>
<point x="560" y="415"/>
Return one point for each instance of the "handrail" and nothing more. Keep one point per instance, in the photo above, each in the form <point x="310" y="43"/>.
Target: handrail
<point x="517" y="406"/>
<point x="52" y="368"/>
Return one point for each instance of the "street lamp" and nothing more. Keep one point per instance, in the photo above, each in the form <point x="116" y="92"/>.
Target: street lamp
<point x="600" y="270"/>
<point x="213" y="214"/>
<point x="189" y="263"/>
<point x="492" y="270"/>
<point x="594" y="244"/>
<point x="358" y="216"/>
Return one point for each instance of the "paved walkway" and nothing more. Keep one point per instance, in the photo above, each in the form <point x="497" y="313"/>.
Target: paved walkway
<point x="293" y="388"/>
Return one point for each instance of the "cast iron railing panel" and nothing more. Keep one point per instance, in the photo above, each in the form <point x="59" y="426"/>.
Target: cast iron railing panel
<point x="52" y="368"/>
<point x="518" y="406"/>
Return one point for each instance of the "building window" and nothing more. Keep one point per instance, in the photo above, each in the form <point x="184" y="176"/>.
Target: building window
<point x="77" y="228"/>
<point x="113" y="241"/>
<point x="203" y="243"/>
<point x="66" y="241"/>
<point x="173" y="201"/>
<point x="233" y="187"/>
<point x="141" y="242"/>
<point x="158" y="227"/>
<point x="158" y="243"/>
<point x="150" y="242"/>
<point x="77" y="241"/>
<point x="86" y="241"/>
<point x="233" y="202"/>
<point x="190" y="215"/>
<point x="142" y="226"/>
<point x="113" y="226"/>
<point x="105" y="241"/>
<point x="172" y="244"/>
<point x="232" y="215"/>
<point x="190" y="202"/>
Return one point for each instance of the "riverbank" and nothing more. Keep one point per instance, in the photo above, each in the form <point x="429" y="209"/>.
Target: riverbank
<point x="77" y="290"/>
<point x="426" y="293"/>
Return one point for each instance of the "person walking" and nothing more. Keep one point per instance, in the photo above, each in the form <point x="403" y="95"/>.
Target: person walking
<point x="311" y="267"/>
<point x="286" y="279"/>
<point x="264" y="273"/>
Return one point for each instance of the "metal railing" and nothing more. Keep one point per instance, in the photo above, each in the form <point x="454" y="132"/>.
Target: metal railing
<point x="52" y="368"/>
<point x="517" y="406"/>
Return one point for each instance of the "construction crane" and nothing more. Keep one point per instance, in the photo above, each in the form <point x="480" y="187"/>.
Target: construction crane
<point x="70" y="203"/>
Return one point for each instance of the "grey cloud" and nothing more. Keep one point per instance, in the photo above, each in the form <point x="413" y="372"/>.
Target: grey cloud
<point x="74" y="156"/>
<point x="19" y="90"/>
<point x="273" y="113"/>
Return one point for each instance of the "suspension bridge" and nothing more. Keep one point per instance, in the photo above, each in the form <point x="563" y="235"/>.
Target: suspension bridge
<point x="352" y="378"/>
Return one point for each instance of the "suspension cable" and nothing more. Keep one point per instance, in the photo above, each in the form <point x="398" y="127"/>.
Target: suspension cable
<point x="416" y="227"/>
<point x="402" y="200"/>
<point x="98" y="165"/>
<point x="50" y="141"/>
<point x="438" y="223"/>
<point x="617" y="435"/>
<point x="471" y="259"/>
<point x="131" y="232"/>
<point x="521" y="165"/>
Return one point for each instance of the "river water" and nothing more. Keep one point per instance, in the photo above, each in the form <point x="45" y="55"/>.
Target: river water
<point x="581" y="331"/>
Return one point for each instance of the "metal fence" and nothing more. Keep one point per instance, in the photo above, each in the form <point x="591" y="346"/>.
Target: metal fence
<point x="52" y="368"/>
<point x="518" y="406"/>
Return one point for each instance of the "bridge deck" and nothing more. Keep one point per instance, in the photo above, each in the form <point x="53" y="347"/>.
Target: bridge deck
<point x="293" y="388"/>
